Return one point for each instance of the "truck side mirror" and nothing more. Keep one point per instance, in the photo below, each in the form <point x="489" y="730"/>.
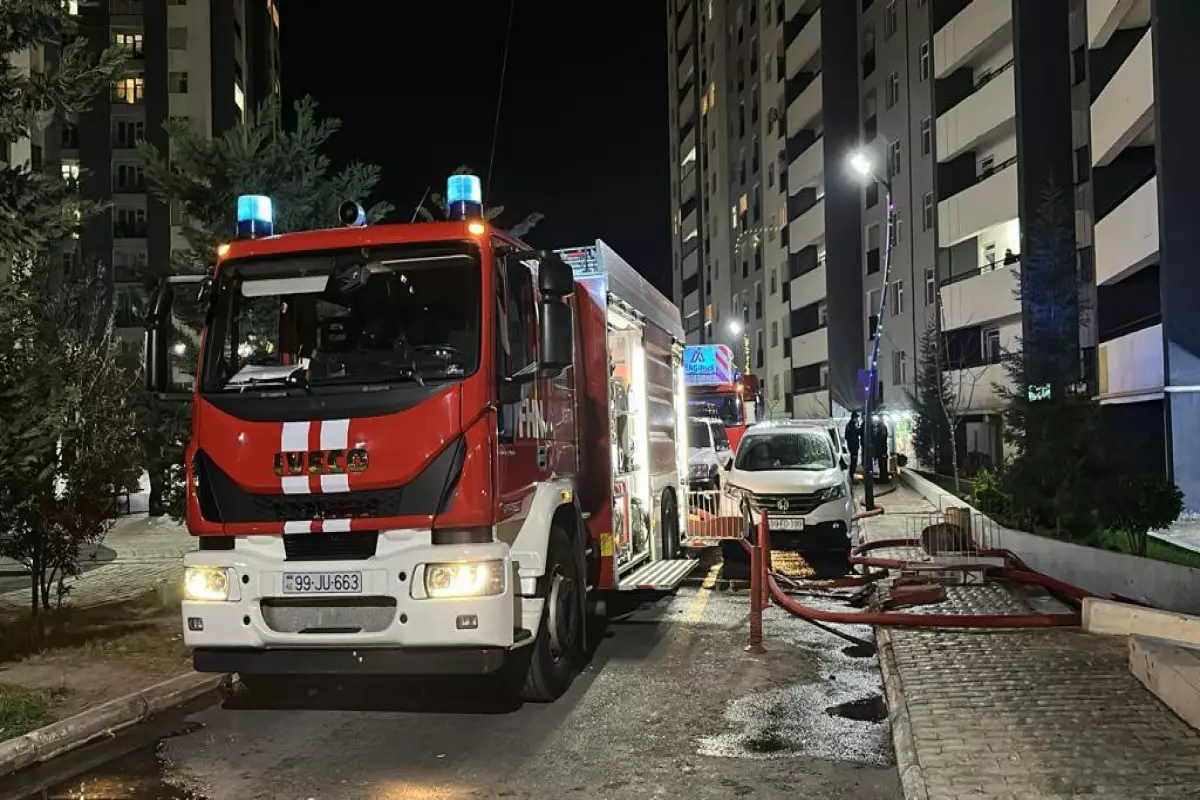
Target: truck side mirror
<point x="558" y="338"/>
<point x="177" y="312"/>
<point x="555" y="278"/>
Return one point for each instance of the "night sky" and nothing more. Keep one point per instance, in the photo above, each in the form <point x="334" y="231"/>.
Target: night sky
<point x="583" y="126"/>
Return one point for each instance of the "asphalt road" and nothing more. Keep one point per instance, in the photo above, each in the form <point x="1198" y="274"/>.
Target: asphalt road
<point x="670" y="706"/>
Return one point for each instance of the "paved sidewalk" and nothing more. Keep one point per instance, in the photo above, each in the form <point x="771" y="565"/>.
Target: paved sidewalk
<point x="1023" y="715"/>
<point x="148" y="552"/>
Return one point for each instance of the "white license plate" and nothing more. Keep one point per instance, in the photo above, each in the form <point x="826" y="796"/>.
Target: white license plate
<point x="322" y="583"/>
<point x="787" y="524"/>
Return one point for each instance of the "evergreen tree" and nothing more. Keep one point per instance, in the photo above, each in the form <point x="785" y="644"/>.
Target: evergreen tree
<point x="67" y="420"/>
<point x="931" y="438"/>
<point x="202" y="179"/>
<point x="1052" y="427"/>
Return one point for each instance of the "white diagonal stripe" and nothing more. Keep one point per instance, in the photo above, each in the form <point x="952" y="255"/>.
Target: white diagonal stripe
<point x="295" y="437"/>
<point x="335" y="434"/>
<point x="295" y="484"/>
<point x="332" y="484"/>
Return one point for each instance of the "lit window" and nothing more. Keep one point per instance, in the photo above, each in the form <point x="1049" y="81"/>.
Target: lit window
<point x="130" y="90"/>
<point x="742" y="203"/>
<point x="239" y="100"/>
<point x="72" y="7"/>
<point x="70" y="170"/>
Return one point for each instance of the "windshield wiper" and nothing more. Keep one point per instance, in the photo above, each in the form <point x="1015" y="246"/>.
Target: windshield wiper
<point x="405" y="374"/>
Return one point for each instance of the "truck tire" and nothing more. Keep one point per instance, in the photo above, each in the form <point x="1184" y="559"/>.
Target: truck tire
<point x="558" y="649"/>
<point x="670" y="526"/>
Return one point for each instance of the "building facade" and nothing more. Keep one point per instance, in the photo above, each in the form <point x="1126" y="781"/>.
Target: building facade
<point x="1135" y="65"/>
<point x="203" y="60"/>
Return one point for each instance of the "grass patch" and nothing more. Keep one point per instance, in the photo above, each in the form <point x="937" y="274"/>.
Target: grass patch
<point x="1155" y="549"/>
<point x="23" y="710"/>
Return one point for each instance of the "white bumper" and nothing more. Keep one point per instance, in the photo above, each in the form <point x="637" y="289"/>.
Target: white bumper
<point x="390" y="612"/>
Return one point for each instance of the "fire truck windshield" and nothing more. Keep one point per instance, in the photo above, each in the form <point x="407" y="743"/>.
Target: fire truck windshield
<point x="387" y="315"/>
<point x="728" y="405"/>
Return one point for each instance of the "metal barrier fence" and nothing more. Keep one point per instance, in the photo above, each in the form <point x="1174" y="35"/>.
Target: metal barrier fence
<point x="713" y="517"/>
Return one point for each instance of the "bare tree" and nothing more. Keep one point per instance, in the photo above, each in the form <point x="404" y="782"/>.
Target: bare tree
<point x="963" y="378"/>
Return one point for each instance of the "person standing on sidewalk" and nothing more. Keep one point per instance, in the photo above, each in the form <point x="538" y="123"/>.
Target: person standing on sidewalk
<point x="853" y="438"/>
<point x="879" y="444"/>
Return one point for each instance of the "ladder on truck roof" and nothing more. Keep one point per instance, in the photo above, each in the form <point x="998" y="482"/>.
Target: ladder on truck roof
<point x="658" y="576"/>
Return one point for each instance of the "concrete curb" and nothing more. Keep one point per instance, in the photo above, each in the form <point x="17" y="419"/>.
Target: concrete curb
<point x="68" y="734"/>
<point x="912" y="776"/>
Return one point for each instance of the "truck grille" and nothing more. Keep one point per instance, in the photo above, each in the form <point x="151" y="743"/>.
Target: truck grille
<point x="329" y="615"/>
<point x="346" y="546"/>
<point x="797" y="505"/>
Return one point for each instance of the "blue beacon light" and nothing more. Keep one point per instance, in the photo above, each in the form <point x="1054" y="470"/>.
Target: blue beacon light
<point x="464" y="197"/>
<point x="255" y="216"/>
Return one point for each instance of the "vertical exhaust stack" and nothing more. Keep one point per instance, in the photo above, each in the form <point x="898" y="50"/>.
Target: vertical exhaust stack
<point x="464" y="197"/>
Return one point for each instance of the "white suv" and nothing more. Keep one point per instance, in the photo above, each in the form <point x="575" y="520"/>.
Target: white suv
<point x="790" y="470"/>
<point x="709" y="455"/>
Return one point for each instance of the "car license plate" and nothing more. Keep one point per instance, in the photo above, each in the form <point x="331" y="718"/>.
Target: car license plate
<point x="787" y="524"/>
<point x="322" y="583"/>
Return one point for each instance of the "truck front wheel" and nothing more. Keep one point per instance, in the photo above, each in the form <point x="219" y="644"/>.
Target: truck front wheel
<point x="558" y="649"/>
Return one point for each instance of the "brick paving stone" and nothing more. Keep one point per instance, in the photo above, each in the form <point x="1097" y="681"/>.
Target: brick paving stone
<point x="148" y="553"/>
<point x="1032" y="714"/>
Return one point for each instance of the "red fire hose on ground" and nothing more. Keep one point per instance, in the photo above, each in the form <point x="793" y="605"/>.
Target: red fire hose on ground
<point x="764" y="586"/>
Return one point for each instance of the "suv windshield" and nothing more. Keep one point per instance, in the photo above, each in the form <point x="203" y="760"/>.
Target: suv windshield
<point x="807" y="450"/>
<point x="363" y="316"/>
<point x="698" y="435"/>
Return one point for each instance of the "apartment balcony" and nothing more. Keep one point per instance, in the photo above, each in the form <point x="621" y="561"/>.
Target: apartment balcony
<point x="1126" y="239"/>
<point x="687" y="65"/>
<point x="808" y="288"/>
<point x="976" y="30"/>
<point x="811" y="405"/>
<point x="687" y="106"/>
<point x="810" y="348"/>
<point x="805" y="46"/>
<point x="980" y="116"/>
<point x="980" y="298"/>
<point x="807" y="107"/>
<point x="1123" y="114"/>
<point x="974" y="389"/>
<point x="683" y="33"/>
<point x="1131" y="366"/>
<point x="808" y="169"/>
<point x="691" y="264"/>
<point x="689" y="229"/>
<point x="691" y="304"/>
<point x="1106" y="17"/>
<point x="991" y="201"/>
<point x="808" y="228"/>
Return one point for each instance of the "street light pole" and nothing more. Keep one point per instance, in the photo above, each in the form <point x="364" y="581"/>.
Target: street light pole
<point x="860" y="163"/>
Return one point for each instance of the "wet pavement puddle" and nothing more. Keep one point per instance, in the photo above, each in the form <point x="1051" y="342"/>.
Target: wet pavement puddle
<point x="869" y="709"/>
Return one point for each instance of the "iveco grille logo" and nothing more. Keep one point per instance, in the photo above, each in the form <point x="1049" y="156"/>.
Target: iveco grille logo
<point x="321" y="462"/>
<point x="783" y="505"/>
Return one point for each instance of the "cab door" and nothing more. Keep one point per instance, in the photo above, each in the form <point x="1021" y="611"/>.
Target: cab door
<point x="518" y="432"/>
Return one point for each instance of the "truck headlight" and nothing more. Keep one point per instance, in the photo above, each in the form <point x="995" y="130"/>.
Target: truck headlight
<point x="206" y="583"/>
<point x="833" y="493"/>
<point x="465" y="579"/>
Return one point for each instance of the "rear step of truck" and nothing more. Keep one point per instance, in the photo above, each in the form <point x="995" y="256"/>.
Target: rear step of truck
<point x="660" y="576"/>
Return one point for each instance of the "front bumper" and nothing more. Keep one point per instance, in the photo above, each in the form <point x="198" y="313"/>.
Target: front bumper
<point x="383" y="628"/>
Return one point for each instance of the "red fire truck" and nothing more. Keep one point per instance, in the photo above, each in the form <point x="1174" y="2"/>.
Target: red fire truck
<point x="419" y="449"/>
<point x="717" y="389"/>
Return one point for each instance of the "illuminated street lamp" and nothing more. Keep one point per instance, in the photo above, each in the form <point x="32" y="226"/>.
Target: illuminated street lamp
<point x="861" y="164"/>
<point x="735" y="328"/>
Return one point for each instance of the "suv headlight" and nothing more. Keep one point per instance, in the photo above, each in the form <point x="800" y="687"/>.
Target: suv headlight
<point x="833" y="493"/>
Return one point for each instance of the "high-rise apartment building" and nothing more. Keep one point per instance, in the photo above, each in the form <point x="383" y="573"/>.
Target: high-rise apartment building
<point x="726" y="79"/>
<point x="1135" y="65"/>
<point x="203" y="60"/>
<point x="1048" y="131"/>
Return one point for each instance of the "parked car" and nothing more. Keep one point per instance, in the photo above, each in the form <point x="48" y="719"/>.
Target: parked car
<point x="792" y="471"/>
<point x="709" y="454"/>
